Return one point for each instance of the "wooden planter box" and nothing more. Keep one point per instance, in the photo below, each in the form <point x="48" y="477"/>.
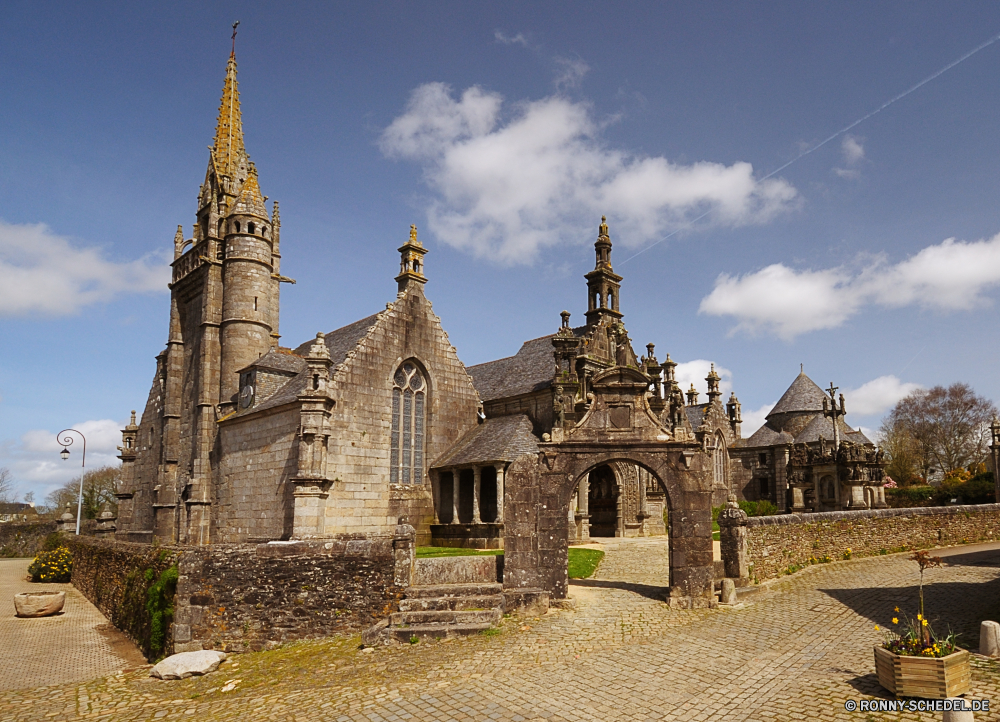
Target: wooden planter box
<point x="927" y="677"/>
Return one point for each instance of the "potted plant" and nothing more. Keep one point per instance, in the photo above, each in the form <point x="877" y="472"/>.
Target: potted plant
<point x="913" y="661"/>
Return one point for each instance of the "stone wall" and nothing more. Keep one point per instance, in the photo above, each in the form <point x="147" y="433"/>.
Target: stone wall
<point x="250" y="597"/>
<point x="24" y="539"/>
<point x="778" y="544"/>
<point x="115" y="576"/>
<point x="259" y="457"/>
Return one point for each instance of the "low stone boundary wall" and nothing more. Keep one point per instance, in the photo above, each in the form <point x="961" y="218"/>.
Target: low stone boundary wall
<point x="24" y="539"/>
<point x="786" y="543"/>
<point x="249" y="597"/>
<point x="116" y="577"/>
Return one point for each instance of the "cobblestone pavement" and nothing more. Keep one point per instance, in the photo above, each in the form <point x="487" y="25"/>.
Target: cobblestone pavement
<point x="798" y="650"/>
<point x="73" y="646"/>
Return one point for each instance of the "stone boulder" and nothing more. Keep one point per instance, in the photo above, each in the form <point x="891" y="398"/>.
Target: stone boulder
<point x="186" y="664"/>
<point x="39" y="604"/>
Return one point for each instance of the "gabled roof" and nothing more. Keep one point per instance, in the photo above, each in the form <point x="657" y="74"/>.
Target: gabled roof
<point x="696" y="414"/>
<point x="802" y="395"/>
<point x="766" y="436"/>
<point x="503" y="438"/>
<point x="284" y="362"/>
<point x="339" y="343"/>
<point x="530" y="369"/>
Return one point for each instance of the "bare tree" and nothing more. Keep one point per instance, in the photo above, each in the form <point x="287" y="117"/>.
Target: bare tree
<point x="948" y="428"/>
<point x="6" y="485"/>
<point x="98" y="490"/>
<point x="904" y="454"/>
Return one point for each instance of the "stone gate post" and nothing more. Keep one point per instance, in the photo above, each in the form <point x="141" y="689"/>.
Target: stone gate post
<point x="733" y="538"/>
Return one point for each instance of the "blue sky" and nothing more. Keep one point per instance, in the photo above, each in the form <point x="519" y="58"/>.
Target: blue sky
<point x="504" y="131"/>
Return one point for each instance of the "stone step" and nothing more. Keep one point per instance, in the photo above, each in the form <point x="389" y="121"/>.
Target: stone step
<point x="434" y="631"/>
<point x="453" y="603"/>
<point x="446" y="617"/>
<point x="452" y="590"/>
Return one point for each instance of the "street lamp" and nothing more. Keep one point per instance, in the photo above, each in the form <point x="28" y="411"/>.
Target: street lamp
<point x="66" y="441"/>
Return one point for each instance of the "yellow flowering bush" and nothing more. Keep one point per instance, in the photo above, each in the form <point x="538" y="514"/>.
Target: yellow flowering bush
<point x="53" y="566"/>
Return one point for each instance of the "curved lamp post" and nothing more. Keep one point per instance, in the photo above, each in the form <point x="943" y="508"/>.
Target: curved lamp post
<point x="66" y="441"/>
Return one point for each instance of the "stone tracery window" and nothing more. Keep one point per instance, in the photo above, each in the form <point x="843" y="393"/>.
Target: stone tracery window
<point x="409" y="412"/>
<point x="719" y="460"/>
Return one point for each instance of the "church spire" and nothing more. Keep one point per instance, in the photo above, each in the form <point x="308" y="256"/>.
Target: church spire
<point x="227" y="149"/>
<point x="603" y="284"/>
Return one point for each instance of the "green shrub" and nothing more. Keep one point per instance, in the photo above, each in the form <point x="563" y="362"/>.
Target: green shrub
<point x="52" y="542"/>
<point x="758" y="508"/>
<point x="53" y="566"/>
<point x="160" y="605"/>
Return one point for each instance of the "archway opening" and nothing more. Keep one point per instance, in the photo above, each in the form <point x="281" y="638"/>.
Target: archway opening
<point x="602" y="501"/>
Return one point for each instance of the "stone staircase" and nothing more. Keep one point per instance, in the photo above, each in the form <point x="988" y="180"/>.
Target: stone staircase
<point x="445" y="611"/>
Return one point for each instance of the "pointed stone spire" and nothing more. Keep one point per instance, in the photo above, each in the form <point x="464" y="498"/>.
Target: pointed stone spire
<point x="411" y="263"/>
<point x="713" y="385"/>
<point x="228" y="150"/>
<point x="250" y="201"/>
<point x="275" y="226"/>
<point x="179" y="242"/>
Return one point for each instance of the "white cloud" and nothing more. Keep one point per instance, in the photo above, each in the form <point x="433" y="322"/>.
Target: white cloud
<point x="502" y="37"/>
<point x="877" y="396"/>
<point x="852" y="149"/>
<point x="34" y="458"/>
<point x="41" y="272"/>
<point x="951" y="276"/>
<point x="505" y="187"/>
<point x="694" y="372"/>
<point x="753" y="419"/>
<point x="570" y="72"/>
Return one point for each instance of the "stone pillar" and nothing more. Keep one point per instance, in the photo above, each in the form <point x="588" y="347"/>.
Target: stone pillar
<point x="477" y="476"/>
<point x="455" y="474"/>
<point x="309" y="497"/>
<point x="500" y="469"/>
<point x="67" y="522"/>
<point x="733" y="540"/>
<point x="404" y="553"/>
<point x="436" y="494"/>
<point x="798" y="500"/>
<point x="780" y="463"/>
<point x="858" y="497"/>
<point x="583" y="489"/>
<point x="106" y="523"/>
<point x="880" y="502"/>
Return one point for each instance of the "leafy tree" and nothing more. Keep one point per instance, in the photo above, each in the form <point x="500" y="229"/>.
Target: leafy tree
<point x="98" y="490"/>
<point x="942" y="428"/>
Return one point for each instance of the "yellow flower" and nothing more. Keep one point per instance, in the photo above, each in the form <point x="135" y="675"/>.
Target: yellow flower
<point x="895" y="620"/>
<point x="876" y="628"/>
<point x="924" y="622"/>
<point x="919" y="617"/>
<point x="897" y="609"/>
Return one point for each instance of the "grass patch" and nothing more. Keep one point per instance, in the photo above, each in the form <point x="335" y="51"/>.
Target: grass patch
<point x="583" y="562"/>
<point x="428" y="552"/>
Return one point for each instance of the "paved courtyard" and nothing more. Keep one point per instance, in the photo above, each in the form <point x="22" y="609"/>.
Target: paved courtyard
<point x="74" y="646"/>
<point x="796" y="651"/>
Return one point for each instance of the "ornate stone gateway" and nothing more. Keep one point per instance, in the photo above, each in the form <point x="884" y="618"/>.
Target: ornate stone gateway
<point x="617" y="426"/>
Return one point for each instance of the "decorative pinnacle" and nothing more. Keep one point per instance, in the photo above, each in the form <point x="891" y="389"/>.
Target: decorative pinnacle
<point x="228" y="149"/>
<point x="413" y="235"/>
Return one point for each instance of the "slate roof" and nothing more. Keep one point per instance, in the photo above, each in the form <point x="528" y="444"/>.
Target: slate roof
<point x="766" y="436"/>
<point x="339" y="342"/>
<point x="696" y="414"/>
<point x="278" y="361"/>
<point x="530" y="369"/>
<point x="802" y="395"/>
<point x="503" y="438"/>
<point x="821" y="426"/>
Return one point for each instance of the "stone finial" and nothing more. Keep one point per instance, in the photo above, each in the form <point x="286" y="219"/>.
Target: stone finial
<point x="179" y="242"/>
<point x="603" y="230"/>
<point x="692" y="395"/>
<point x="318" y="348"/>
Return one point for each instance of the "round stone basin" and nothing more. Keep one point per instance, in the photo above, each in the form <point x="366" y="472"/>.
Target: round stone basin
<point x="39" y="604"/>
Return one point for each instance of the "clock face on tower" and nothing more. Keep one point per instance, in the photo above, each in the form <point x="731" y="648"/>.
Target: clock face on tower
<point x="246" y="396"/>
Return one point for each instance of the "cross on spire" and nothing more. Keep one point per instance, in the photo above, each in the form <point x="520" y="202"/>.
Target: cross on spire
<point x="235" y="25"/>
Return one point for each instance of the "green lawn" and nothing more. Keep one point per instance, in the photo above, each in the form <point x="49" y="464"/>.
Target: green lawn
<point x="582" y="562"/>
<point x="426" y="552"/>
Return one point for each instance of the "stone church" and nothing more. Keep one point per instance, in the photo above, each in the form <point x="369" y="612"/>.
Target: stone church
<point x="245" y="440"/>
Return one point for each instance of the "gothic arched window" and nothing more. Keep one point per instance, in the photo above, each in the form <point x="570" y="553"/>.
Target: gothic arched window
<point x="719" y="460"/>
<point x="409" y="410"/>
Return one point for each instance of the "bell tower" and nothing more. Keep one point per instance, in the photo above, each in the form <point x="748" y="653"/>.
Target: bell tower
<point x="603" y="283"/>
<point x="411" y="263"/>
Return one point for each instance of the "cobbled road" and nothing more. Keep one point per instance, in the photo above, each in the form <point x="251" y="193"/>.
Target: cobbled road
<point x="799" y="649"/>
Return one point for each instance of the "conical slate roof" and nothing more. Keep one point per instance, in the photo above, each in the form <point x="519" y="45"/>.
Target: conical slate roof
<point x="802" y="395"/>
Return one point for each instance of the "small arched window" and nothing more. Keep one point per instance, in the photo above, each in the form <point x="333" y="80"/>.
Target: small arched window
<point x="236" y="225"/>
<point x="611" y="301"/>
<point x="409" y="411"/>
<point x="250" y="227"/>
